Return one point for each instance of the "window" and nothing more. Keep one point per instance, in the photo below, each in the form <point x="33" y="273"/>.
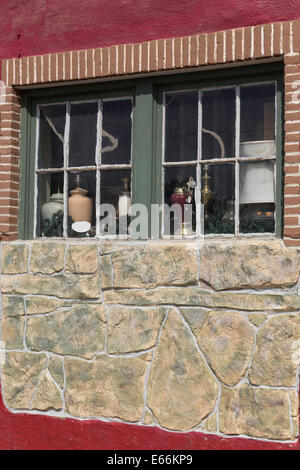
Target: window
<point x="161" y="141"/>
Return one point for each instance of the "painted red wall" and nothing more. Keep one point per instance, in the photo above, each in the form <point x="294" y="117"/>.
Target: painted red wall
<point x="30" y="27"/>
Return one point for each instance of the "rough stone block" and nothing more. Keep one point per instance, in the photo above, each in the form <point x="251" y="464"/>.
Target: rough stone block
<point x="14" y="258"/>
<point x="133" y="329"/>
<point x="256" y="412"/>
<point x="108" y="387"/>
<point x="237" y="265"/>
<point x="181" y="389"/>
<point x="78" y="331"/>
<point x="82" y="259"/>
<point x="154" y="265"/>
<point x="47" y="257"/>
<point x="277" y="353"/>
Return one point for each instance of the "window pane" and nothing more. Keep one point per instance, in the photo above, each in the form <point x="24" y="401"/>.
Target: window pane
<point x="51" y="136"/>
<point x="81" y="204"/>
<point x="116" y="191"/>
<point x="218" y="123"/>
<point x="50" y="205"/>
<point x="83" y="133"/>
<point x="181" y="126"/>
<point x="218" y="196"/>
<point x="116" y="133"/>
<point x="176" y="192"/>
<point x="257" y="197"/>
<point x="258" y="113"/>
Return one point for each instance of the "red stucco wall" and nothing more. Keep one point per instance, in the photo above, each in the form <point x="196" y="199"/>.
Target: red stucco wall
<point x="31" y="27"/>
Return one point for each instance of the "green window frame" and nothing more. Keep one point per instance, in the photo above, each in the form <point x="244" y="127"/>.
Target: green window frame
<point x="147" y="136"/>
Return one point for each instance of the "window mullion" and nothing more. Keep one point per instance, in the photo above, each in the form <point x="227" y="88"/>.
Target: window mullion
<point x="66" y="164"/>
<point x="98" y="163"/>
<point x="142" y="147"/>
<point x="237" y="164"/>
<point x="197" y="193"/>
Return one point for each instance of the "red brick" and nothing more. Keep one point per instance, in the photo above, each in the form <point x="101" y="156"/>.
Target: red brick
<point x="291" y="243"/>
<point x="74" y="59"/>
<point x="202" y="48"/>
<point x="292" y="232"/>
<point x="267" y="40"/>
<point x="128" y="65"/>
<point x="292" y="158"/>
<point x="60" y="60"/>
<point x="194" y="51"/>
<point x="169" y="53"/>
<point x="105" y="62"/>
<point x="185" y="52"/>
<point x="292" y="210"/>
<point x="247" y="43"/>
<point x="292" y="127"/>
<point x="67" y="65"/>
<point x="31" y="70"/>
<point x="153" y="64"/>
<point x="238" y="44"/>
<point x="257" y="42"/>
<point x="161" y="54"/>
<point x="38" y="62"/>
<point x="229" y="57"/>
<point x="177" y="52"/>
<point x="286" y="37"/>
<point x="293" y="190"/>
<point x="97" y="62"/>
<point x="292" y="180"/>
<point x="292" y="59"/>
<point x="120" y="56"/>
<point x="211" y="48"/>
<point x="276" y="39"/>
<point x="113" y="60"/>
<point x="144" y="61"/>
<point x="4" y="70"/>
<point x="136" y="58"/>
<point x="82" y="74"/>
<point x="288" y="221"/>
<point x="46" y="68"/>
<point x="291" y="169"/>
<point x="53" y="67"/>
<point x="292" y="78"/>
<point x="296" y="35"/>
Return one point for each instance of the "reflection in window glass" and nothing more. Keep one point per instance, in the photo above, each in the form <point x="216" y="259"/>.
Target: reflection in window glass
<point x="181" y="126"/>
<point x="218" y="197"/>
<point x="218" y="123"/>
<point x="83" y="132"/>
<point x="258" y="113"/>
<point x="51" y="136"/>
<point x="116" y="131"/>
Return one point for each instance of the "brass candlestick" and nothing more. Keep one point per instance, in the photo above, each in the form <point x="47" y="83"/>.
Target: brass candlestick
<point x="206" y="193"/>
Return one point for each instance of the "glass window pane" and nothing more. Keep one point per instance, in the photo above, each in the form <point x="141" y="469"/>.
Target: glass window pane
<point x="116" y="131"/>
<point x="50" y="205"/>
<point x="176" y="180"/>
<point x="83" y="133"/>
<point x="181" y="126"/>
<point x="257" y="197"/>
<point x="51" y="136"/>
<point x="116" y="191"/>
<point x="81" y="204"/>
<point x="218" y="123"/>
<point x="257" y="114"/>
<point x="218" y="197"/>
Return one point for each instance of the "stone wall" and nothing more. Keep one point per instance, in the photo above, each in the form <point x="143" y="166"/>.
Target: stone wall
<point x="155" y="334"/>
